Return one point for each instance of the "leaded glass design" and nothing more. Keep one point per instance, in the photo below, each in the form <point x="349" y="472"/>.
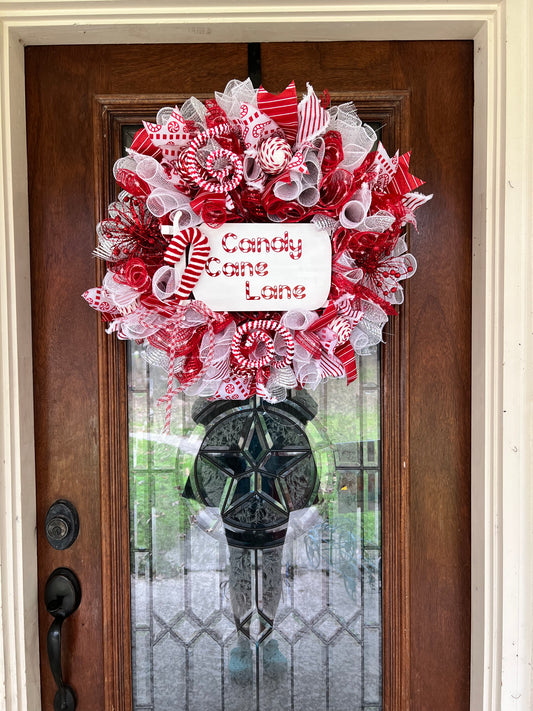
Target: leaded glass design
<point x="290" y="626"/>
<point x="287" y="627"/>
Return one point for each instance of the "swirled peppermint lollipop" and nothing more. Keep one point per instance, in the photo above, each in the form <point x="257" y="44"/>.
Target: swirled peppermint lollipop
<point x="342" y="327"/>
<point x="274" y="155"/>
<point x="224" y="167"/>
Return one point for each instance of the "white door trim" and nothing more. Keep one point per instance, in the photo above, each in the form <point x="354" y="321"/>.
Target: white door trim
<point x="502" y="516"/>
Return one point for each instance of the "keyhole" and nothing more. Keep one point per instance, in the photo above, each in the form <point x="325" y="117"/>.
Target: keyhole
<point x="58" y="529"/>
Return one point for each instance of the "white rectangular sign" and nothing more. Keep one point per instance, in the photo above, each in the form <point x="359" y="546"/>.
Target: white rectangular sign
<point x="265" y="267"/>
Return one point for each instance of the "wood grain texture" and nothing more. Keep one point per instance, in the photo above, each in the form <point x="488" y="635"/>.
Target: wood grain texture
<point x="79" y="376"/>
<point x="426" y="443"/>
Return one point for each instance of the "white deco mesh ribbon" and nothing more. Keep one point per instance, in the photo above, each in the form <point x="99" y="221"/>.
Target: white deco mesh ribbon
<point x="194" y="111"/>
<point x="254" y="175"/>
<point x="203" y="388"/>
<point x="220" y="361"/>
<point x="121" y="296"/>
<point x="379" y="222"/>
<point x="354" y="215"/>
<point x="152" y="172"/>
<point x="303" y="187"/>
<point x="169" y="200"/>
<point x="368" y="331"/>
<point x="164" y="197"/>
<point x="326" y="223"/>
<point x="140" y="324"/>
<point x="357" y="138"/>
<point x="279" y="382"/>
<point x="354" y="212"/>
<point x="236" y="93"/>
<point x="305" y="370"/>
<point x="183" y="217"/>
<point x="164" y="114"/>
<point x="298" y="319"/>
<point x="351" y="271"/>
<point x="125" y="163"/>
<point x="308" y="373"/>
<point x="164" y="282"/>
<point x="157" y="357"/>
<point x="218" y="369"/>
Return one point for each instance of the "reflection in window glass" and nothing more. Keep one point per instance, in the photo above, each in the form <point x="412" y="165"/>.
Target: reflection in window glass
<point x="220" y="622"/>
<point x="293" y="626"/>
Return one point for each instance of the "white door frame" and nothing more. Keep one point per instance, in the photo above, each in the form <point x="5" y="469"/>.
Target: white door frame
<point x="502" y="387"/>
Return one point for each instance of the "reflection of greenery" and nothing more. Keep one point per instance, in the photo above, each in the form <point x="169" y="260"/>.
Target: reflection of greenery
<point x="365" y="525"/>
<point x="160" y="514"/>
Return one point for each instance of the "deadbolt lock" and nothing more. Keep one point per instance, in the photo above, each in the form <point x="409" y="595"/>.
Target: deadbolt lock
<point x="62" y="524"/>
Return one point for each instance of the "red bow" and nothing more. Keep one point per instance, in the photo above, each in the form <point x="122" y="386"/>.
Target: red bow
<point x="211" y="207"/>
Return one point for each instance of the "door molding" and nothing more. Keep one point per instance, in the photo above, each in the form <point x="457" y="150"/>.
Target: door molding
<point x="389" y="109"/>
<point x="502" y="385"/>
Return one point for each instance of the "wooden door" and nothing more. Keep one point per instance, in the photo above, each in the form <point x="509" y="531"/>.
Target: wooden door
<point x="78" y="99"/>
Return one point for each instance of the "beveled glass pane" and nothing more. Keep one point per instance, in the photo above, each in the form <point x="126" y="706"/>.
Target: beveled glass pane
<point x="292" y="626"/>
<point x="240" y="627"/>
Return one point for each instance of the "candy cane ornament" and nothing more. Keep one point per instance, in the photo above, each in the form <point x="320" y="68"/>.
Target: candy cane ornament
<point x="197" y="258"/>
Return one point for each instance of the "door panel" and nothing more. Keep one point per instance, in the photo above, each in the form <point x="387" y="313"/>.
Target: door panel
<point x="80" y="374"/>
<point x="78" y="446"/>
<point x="435" y="340"/>
<point x="336" y="545"/>
<point x="256" y="628"/>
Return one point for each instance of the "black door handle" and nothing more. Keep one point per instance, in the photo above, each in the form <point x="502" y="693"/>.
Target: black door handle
<point x="62" y="596"/>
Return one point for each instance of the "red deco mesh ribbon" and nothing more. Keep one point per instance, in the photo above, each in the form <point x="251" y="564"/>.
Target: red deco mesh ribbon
<point x="180" y="340"/>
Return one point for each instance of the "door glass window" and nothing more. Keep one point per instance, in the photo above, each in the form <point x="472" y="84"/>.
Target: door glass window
<point x="255" y="547"/>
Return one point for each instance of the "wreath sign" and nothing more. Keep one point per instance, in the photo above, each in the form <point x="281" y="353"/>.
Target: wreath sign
<point x="256" y="245"/>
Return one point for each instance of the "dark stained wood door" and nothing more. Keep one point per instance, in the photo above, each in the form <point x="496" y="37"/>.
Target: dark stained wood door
<point x="433" y="333"/>
<point x="423" y="92"/>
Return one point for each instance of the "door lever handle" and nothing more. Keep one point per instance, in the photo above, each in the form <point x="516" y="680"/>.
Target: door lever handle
<point x="62" y="596"/>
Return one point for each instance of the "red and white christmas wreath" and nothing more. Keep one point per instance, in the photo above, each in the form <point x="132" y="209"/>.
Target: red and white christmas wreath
<point x="257" y="244"/>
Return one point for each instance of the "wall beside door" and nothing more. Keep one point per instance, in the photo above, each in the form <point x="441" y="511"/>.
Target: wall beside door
<point x="502" y="384"/>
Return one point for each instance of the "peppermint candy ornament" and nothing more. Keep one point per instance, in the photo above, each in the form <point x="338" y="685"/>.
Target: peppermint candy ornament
<point x="274" y="155"/>
<point x="342" y="327"/>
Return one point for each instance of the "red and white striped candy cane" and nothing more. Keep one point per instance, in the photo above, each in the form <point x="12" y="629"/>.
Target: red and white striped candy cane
<point x="258" y="333"/>
<point x="173" y="345"/>
<point x="225" y="178"/>
<point x="197" y="257"/>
